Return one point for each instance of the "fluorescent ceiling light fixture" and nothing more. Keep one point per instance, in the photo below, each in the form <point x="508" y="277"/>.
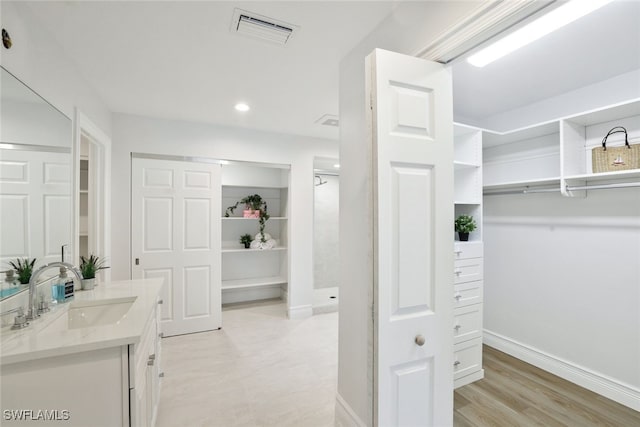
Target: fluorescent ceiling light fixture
<point x="337" y="166"/>
<point x="241" y="106"/>
<point x="535" y="30"/>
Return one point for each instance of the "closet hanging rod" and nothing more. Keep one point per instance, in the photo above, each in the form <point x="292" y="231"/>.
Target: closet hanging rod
<point x="603" y="186"/>
<point x="568" y="188"/>
<point x="522" y="191"/>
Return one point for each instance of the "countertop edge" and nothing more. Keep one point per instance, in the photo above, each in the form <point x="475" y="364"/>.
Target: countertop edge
<point x="147" y="293"/>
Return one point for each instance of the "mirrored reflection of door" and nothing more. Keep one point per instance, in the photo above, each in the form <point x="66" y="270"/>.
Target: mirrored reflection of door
<point x="35" y="203"/>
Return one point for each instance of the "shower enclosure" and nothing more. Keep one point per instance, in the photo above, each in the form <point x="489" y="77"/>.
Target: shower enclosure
<point x="325" y="236"/>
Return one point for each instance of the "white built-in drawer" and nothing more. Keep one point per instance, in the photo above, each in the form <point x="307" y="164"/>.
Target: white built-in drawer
<point x="467" y="358"/>
<point x="467" y="270"/>
<point x="464" y="250"/>
<point x="467" y="323"/>
<point x="467" y="294"/>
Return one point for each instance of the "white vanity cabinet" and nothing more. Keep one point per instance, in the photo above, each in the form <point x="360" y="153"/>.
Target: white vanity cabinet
<point x="145" y="374"/>
<point x="54" y="373"/>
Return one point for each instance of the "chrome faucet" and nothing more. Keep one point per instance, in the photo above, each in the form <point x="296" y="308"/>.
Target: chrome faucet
<point x="32" y="312"/>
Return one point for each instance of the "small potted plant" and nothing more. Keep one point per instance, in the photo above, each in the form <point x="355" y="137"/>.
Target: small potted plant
<point x="464" y="224"/>
<point x="24" y="268"/>
<point x="89" y="267"/>
<point x="245" y="239"/>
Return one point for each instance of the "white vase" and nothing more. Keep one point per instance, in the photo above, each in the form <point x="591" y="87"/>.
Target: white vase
<point x="88" y="284"/>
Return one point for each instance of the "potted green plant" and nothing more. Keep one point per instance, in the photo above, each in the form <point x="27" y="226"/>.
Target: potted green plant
<point x="245" y="239"/>
<point x="253" y="206"/>
<point x="464" y="224"/>
<point x="24" y="268"/>
<point x="89" y="267"/>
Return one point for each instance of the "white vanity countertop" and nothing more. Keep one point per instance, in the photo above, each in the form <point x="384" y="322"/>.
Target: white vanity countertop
<point x="40" y="339"/>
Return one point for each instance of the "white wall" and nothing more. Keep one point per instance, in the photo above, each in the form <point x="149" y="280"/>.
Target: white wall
<point x="408" y="30"/>
<point x="326" y="257"/>
<point x="157" y="136"/>
<point x="562" y="277"/>
<point x="611" y="91"/>
<point x="42" y="64"/>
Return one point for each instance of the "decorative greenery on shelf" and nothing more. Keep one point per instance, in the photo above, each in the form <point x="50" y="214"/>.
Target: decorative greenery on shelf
<point x="24" y="268"/>
<point x="245" y="239"/>
<point x="465" y="224"/>
<point x="90" y="266"/>
<point x="230" y="210"/>
<point x="253" y="202"/>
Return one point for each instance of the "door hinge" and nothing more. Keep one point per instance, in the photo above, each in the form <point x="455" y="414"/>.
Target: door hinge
<point x="137" y="261"/>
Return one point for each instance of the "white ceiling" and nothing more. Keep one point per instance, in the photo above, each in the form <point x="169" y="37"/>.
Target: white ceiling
<point x="178" y="60"/>
<point x="596" y="47"/>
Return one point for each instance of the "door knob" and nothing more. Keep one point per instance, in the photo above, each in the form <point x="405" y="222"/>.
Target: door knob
<point x="420" y="340"/>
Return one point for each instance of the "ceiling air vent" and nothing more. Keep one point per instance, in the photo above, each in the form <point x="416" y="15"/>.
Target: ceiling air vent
<point x="329" y="120"/>
<point x="261" y="27"/>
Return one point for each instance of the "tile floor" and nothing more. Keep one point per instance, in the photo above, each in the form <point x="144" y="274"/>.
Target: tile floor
<point x="325" y="300"/>
<point x="260" y="369"/>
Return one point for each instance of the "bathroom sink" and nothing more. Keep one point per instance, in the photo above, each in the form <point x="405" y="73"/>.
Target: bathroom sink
<point x="84" y="314"/>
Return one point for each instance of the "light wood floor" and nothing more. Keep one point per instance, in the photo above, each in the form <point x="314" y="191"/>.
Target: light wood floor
<point x="263" y="370"/>
<point x="515" y="393"/>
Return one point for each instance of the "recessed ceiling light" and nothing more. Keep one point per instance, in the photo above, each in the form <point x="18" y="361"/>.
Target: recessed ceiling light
<point x="241" y="106"/>
<point x="539" y="28"/>
<point x="337" y="166"/>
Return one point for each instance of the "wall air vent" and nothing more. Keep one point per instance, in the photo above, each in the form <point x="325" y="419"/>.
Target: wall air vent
<point x="261" y="27"/>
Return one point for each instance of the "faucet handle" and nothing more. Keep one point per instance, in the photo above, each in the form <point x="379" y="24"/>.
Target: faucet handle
<point x="21" y="320"/>
<point x="43" y="307"/>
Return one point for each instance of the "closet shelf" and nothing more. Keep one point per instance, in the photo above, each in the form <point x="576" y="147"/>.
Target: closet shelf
<point x="253" y="283"/>
<point x="524" y="183"/>
<point x="237" y="218"/>
<point x="464" y="165"/>
<point x="279" y="187"/>
<point x="243" y="250"/>
<point x="630" y="175"/>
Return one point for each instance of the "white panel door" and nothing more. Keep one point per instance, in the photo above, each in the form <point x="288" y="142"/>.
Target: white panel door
<point x="412" y="127"/>
<point x="175" y="235"/>
<point x="35" y="204"/>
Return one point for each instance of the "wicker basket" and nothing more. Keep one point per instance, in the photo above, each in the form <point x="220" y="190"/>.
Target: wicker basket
<point x="611" y="159"/>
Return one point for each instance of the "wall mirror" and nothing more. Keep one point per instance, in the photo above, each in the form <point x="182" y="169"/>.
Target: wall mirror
<point x="35" y="179"/>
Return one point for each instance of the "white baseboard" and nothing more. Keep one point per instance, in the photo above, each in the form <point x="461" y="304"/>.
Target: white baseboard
<point x="300" y="312"/>
<point x="345" y="416"/>
<point x="622" y="393"/>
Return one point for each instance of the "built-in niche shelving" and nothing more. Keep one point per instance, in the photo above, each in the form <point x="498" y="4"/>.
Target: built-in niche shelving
<point x="468" y="257"/>
<point x="254" y="274"/>
<point x="557" y="154"/>
<point x="83" y="198"/>
<point x="468" y="175"/>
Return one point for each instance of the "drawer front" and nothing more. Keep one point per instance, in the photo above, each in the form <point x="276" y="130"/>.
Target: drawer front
<point x="466" y="294"/>
<point x="139" y="357"/>
<point x="467" y="358"/>
<point x="466" y="250"/>
<point x="468" y="270"/>
<point x="467" y="323"/>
